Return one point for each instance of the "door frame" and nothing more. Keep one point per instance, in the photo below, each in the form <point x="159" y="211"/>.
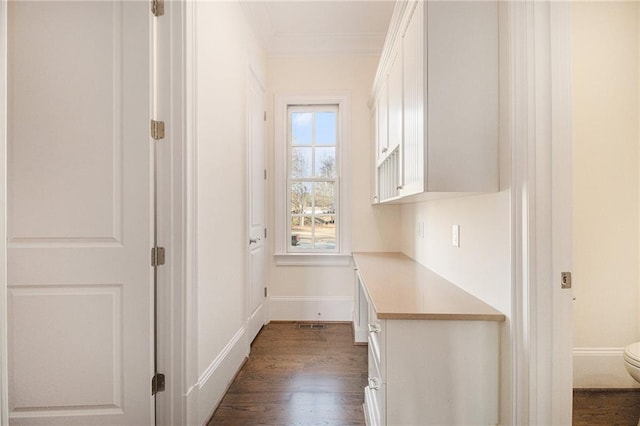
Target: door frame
<point x="540" y="133"/>
<point x="172" y="184"/>
<point x="4" y="397"/>
<point x="562" y="326"/>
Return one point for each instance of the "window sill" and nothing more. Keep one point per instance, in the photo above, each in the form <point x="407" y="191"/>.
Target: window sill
<point x="312" y="259"/>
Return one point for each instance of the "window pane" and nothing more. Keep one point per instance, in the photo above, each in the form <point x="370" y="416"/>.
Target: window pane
<point x="325" y="199"/>
<point x="301" y="201"/>
<point x="301" y="125"/>
<point x="301" y="232"/>
<point x="301" y="162"/>
<point x="325" y="162"/>
<point x="325" y="128"/>
<point x="325" y="235"/>
<point x="325" y="217"/>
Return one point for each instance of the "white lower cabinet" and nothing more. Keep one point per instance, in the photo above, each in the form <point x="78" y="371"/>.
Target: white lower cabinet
<point x="431" y="372"/>
<point x="375" y="393"/>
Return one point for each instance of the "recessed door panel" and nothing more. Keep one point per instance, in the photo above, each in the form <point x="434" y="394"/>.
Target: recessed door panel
<point x="49" y="342"/>
<point x="65" y="165"/>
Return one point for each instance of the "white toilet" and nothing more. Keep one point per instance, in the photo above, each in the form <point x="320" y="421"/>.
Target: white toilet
<point x="632" y="360"/>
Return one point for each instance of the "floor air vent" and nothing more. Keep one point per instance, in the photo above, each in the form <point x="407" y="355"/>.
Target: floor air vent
<point x="312" y="326"/>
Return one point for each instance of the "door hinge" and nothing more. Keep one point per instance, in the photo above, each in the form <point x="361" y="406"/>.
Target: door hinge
<point x="157" y="383"/>
<point x="157" y="129"/>
<point x="265" y="174"/>
<point x="157" y="256"/>
<point x="157" y="7"/>
<point x="265" y="116"/>
<point x="265" y="292"/>
<point x="265" y="233"/>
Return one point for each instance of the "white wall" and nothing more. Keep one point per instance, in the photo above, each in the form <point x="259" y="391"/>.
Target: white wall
<point x="606" y="162"/>
<point x="481" y="265"/>
<point x="225" y="50"/>
<point x="300" y="293"/>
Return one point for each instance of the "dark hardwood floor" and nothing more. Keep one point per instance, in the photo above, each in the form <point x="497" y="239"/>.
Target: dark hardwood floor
<point x="610" y="407"/>
<point x="298" y="376"/>
<point x="306" y="377"/>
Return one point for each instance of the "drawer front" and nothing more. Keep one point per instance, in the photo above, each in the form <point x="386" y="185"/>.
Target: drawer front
<point x="374" y="410"/>
<point x="374" y="371"/>
<point x="377" y="344"/>
<point x="360" y="311"/>
<point x="376" y="391"/>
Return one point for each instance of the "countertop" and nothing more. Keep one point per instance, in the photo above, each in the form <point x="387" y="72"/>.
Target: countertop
<point x="401" y="288"/>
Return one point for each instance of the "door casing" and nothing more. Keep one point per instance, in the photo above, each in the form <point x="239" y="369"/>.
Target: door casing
<point x="540" y="139"/>
<point x="4" y="398"/>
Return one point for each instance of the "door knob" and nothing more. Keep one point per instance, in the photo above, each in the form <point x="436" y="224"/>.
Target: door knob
<point x="254" y="240"/>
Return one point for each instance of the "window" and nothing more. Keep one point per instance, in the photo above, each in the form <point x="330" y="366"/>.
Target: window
<point x="312" y="182"/>
<point x="312" y="136"/>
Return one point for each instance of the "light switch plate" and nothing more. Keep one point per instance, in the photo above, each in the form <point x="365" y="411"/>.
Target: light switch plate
<point x="455" y="235"/>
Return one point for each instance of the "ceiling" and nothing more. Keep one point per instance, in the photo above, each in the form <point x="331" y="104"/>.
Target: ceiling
<point x="311" y="27"/>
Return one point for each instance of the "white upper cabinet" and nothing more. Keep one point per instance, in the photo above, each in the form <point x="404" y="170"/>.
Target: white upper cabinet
<point x="440" y="64"/>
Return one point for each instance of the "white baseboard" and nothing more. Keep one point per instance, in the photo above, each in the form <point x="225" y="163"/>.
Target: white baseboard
<point x="215" y="380"/>
<point x="310" y="308"/>
<point x="600" y="368"/>
<point x="360" y="335"/>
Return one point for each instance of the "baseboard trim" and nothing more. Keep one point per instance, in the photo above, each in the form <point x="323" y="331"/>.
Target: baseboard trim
<point x="360" y="335"/>
<point x="598" y="351"/>
<point x="600" y="368"/>
<point x="307" y="322"/>
<point x="215" y="380"/>
<point x="310" y="308"/>
<point x="215" y="364"/>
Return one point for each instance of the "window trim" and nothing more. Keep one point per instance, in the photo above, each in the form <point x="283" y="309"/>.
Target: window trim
<point x="281" y="149"/>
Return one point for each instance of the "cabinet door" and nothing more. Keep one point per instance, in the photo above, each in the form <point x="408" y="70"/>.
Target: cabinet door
<point x="395" y="101"/>
<point x="463" y="86"/>
<point x="413" y="146"/>
<point x="382" y="108"/>
<point x="375" y="193"/>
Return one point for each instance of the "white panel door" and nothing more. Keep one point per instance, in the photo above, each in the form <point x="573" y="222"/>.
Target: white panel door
<point x="79" y="205"/>
<point x="256" y="205"/>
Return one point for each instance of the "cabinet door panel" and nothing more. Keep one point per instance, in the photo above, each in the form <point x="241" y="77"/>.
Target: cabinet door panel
<point x="413" y="101"/>
<point x="395" y="102"/>
<point x="462" y="128"/>
<point x="382" y="121"/>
